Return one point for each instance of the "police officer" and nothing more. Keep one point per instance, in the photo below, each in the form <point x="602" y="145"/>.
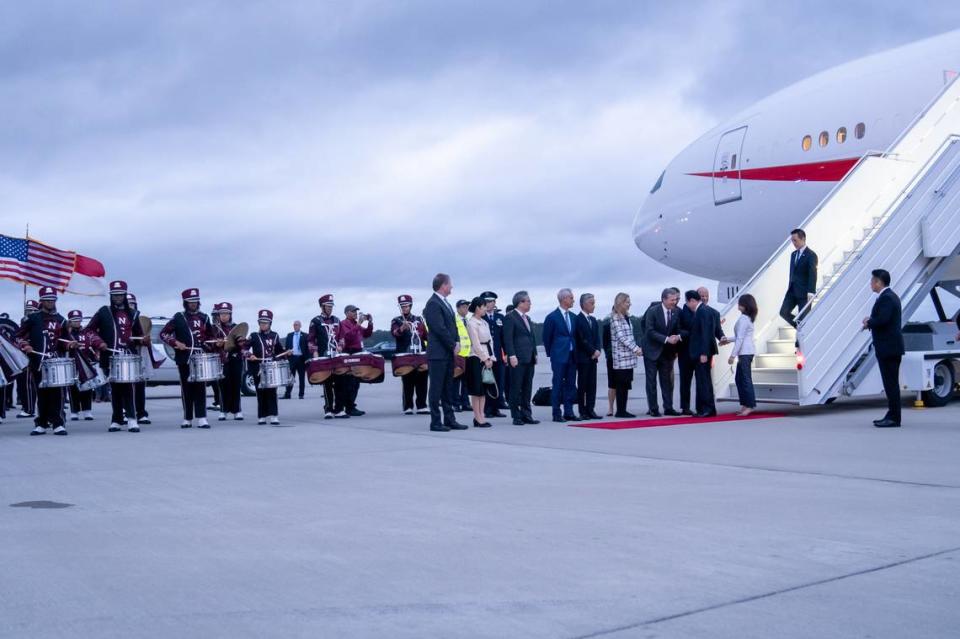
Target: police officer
<point x="264" y="344"/>
<point x="322" y="342"/>
<point x="188" y="332"/>
<point x="461" y="399"/>
<point x="81" y="401"/>
<point x="495" y="320"/>
<point x="116" y="329"/>
<point x="403" y="327"/>
<point x="40" y="337"/>
<point x="232" y="363"/>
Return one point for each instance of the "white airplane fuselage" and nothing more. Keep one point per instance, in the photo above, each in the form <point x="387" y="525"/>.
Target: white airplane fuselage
<point x="729" y="199"/>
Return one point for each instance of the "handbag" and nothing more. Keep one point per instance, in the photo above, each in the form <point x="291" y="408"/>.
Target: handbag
<point x="487" y="376"/>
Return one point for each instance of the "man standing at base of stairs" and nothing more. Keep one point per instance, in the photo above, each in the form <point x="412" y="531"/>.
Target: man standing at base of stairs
<point x="885" y="323"/>
<point x="802" y="283"/>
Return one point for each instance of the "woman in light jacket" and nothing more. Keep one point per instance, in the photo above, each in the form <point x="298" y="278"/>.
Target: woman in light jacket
<point x="743" y="352"/>
<point x="480" y="358"/>
<point x="624" y="351"/>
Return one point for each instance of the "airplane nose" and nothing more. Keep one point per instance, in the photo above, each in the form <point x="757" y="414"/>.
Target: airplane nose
<point x="648" y="231"/>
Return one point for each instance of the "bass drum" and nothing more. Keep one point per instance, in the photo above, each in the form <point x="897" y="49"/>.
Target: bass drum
<point x="367" y="366"/>
<point x="406" y="363"/>
<point x="319" y="369"/>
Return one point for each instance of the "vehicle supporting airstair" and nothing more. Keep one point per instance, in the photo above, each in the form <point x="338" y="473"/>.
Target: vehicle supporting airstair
<point x="898" y="210"/>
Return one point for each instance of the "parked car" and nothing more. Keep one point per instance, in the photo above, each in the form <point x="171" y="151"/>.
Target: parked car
<point x="386" y="348"/>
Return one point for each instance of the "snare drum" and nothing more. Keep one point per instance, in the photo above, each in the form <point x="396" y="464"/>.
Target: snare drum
<point x="3" y="378"/>
<point x="406" y="363"/>
<point x="93" y="383"/>
<point x="274" y="373"/>
<point x="205" y="367"/>
<point x="125" y="368"/>
<point x="366" y="366"/>
<point x="56" y="372"/>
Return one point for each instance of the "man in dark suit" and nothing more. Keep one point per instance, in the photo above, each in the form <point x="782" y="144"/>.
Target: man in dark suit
<point x="559" y="342"/>
<point x="885" y="323"/>
<point x="802" y="283"/>
<point x="588" y="344"/>
<point x="296" y="343"/>
<point x="520" y="345"/>
<point x="704" y="334"/>
<point x="659" y="344"/>
<point x="684" y="363"/>
<point x="442" y="344"/>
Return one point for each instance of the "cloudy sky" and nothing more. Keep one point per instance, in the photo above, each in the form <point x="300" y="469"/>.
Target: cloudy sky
<point x="268" y="152"/>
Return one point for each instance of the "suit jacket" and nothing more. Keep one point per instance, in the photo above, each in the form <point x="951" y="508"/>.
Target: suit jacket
<point x="304" y="346"/>
<point x="557" y="339"/>
<point x="441" y="328"/>
<point x="656" y="331"/>
<point x="705" y="332"/>
<point x="517" y="340"/>
<point x="886" y="325"/>
<point x="586" y="335"/>
<point x="684" y="326"/>
<point x="803" y="273"/>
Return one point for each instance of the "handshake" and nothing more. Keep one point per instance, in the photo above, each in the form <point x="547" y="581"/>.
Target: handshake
<point x="673" y="339"/>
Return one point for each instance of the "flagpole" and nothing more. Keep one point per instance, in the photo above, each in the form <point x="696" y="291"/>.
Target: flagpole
<point x="25" y="283"/>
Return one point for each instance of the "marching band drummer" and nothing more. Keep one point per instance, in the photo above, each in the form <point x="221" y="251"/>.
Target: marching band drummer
<point x="232" y="363"/>
<point x="116" y="329"/>
<point x="351" y="336"/>
<point x="8" y="331"/>
<point x="140" y="388"/>
<point x="45" y="334"/>
<point x="189" y="332"/>
<point x="81" y="401"/>
<point x="264" y="344"/>
<point x="26" y="396"/>
<point x="403" y="327"/>
<point x="322" y="328"/>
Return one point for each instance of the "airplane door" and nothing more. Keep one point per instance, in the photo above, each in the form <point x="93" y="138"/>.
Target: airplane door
<point x="726" y="167"/>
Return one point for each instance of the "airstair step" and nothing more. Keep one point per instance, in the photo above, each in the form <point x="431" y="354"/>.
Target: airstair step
<point x="775" y="360"/>
<point x="787" y="332"/>
<point x="782" y="346"/>
<point x="774" y="375"/>
<point x="771" y="391"/>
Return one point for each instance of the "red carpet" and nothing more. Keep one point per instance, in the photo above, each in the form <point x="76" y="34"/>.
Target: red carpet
<point x="620" y="424"/>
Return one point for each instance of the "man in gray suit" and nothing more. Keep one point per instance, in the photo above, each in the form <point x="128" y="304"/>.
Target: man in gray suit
<point x="520" y="345"/>
<point x="442" y="344"/>
<point x="659" y="343"/>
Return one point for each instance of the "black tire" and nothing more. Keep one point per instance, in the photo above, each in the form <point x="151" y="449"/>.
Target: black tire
<point x="943" y="383"/>
<point x="248" y="387"/>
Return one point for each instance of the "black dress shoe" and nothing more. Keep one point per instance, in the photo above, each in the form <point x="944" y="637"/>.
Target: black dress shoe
<point x="439" y="429"/>
<point x="518" y="422"/>
<point x="671" y="413"/>
<point x="653" y="412"/>
<point x="477" y="424"/>
<point x="455" y="426"/>
<point x="687" y="412"/>
<point x="530" y="420"/>
<point x="284" y="397"/>
<point x="571" y="418"/>
<point x="559" y="420"/>
<point x="624" y="415"/>
<point x="707" y="414"/>
<point x="886" y="423"/>
<point x="497" y="414"/>
<point x="594" y="415"/>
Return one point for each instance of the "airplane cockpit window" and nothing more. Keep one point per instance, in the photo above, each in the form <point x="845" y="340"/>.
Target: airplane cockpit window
<point x="841" y="135"/>
<point x="807" y="142"/>
<point x="656" y="187"/>
<point x="824" y="138"/>
<point x="860" y="130"/>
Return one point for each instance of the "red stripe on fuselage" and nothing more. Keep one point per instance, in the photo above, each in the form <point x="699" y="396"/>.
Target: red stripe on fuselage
<point x="829" y="171"/>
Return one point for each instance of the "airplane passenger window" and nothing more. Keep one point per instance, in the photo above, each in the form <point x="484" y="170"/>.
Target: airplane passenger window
<point x="841" y="135"/>
<point x="807" y="142"/>
<point x="656" y="187"/>
<point x="860" y="130"/>
<point x="824" y="138"/>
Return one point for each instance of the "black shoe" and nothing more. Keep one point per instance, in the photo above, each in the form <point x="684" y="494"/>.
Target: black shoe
<point x="497" y="414"/>
<point x="285" y="397"/>
<point x="572" y="418"/>
<point x="477" y="424"/>
<point x="594" y="415"/>
<point x="687" y="412"/>
<point x="353" y="412"/>
<point x="518" y="422"/>
<point x="559" y="420"/>
<point x="439" y="429"/>
<point x="886" y="423"/>
<point x="709" y="413"/>
<point x="653" y="412"/>
<point x="624" y="415"/>
<point x="531" y="421"/>
<point x="455" y="426"/>
<point x="300" y="397"/>
<point x="143" y="420"/>
<point x="671" y="413"/>
<point x="186" y="425"/>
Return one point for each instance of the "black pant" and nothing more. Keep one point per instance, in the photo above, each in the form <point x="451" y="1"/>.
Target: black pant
<point x="121" y="400"/>
<point x="193" y="395"/>
<point x="661" y="368"/>
<point x="441" y="391"/>
<point x="27" y="390"/>
<point x="495" y="405"/>
<point x="230" y="386"/>
<point x="266" y="400"/>
<point x="461" y="396"/>
<point x="49" y="403"/>
<point x="791" y="301"/>
<point x="140" y="399"/>
<point x="80" y="400"/>
<point x="685" y="364"/>
<point x="890" y="374"/>
<point x="622" y="382"/>
<point x="216" y="394"/>
<point x="298" y="365"/>
<point x="705" y="400"/>
<point x="587" y="387"/>
<point x="415" y="382"/>
<point x="744" y="380"/>
<point x="521" y="389"/>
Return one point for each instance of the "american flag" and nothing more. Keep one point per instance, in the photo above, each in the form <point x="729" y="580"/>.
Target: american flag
<point x="35" y="263"/>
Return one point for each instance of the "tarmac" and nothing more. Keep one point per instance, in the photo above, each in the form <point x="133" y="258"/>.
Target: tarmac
<point x="815" y="524"/>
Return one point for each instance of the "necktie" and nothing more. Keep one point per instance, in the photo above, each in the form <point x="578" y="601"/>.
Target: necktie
<point x="525" y="322"/>
<point x="669" y="317"/>
<point x="566" y="320"/>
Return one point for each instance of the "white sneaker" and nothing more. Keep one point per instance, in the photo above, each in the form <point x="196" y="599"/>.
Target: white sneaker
<point x="87" y="416"/>
<point x="262" y="420"/>
<point x="113" y="428"/>
<point x="133" y="427"/>
<point x="59" y="430"/>
<point x="328" y="415"/>
<point x="423" y="411"/>
<point x="341" y="415"/>
<point x="74" y="417"/>
<point x="38" y="430"/>
<point x="24" y="413"/>
<point x="274" y="420"/>
<point x="238" y="416"/>
<point x="222" y="418"/>
<point x="203" y="423"/>
<point x="186" y="424"/>
<point x="408" y="411"/>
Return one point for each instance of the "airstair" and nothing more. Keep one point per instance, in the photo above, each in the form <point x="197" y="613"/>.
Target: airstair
<point x="898" y="210"/>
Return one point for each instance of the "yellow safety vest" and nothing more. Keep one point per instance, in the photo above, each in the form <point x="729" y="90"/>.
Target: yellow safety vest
<point x="464" y="336"/>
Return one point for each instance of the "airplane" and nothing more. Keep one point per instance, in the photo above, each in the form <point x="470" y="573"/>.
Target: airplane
<point x="730" y="198"/>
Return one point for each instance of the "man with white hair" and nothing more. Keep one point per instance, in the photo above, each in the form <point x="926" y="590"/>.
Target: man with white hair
<point x="558" y="340"/>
